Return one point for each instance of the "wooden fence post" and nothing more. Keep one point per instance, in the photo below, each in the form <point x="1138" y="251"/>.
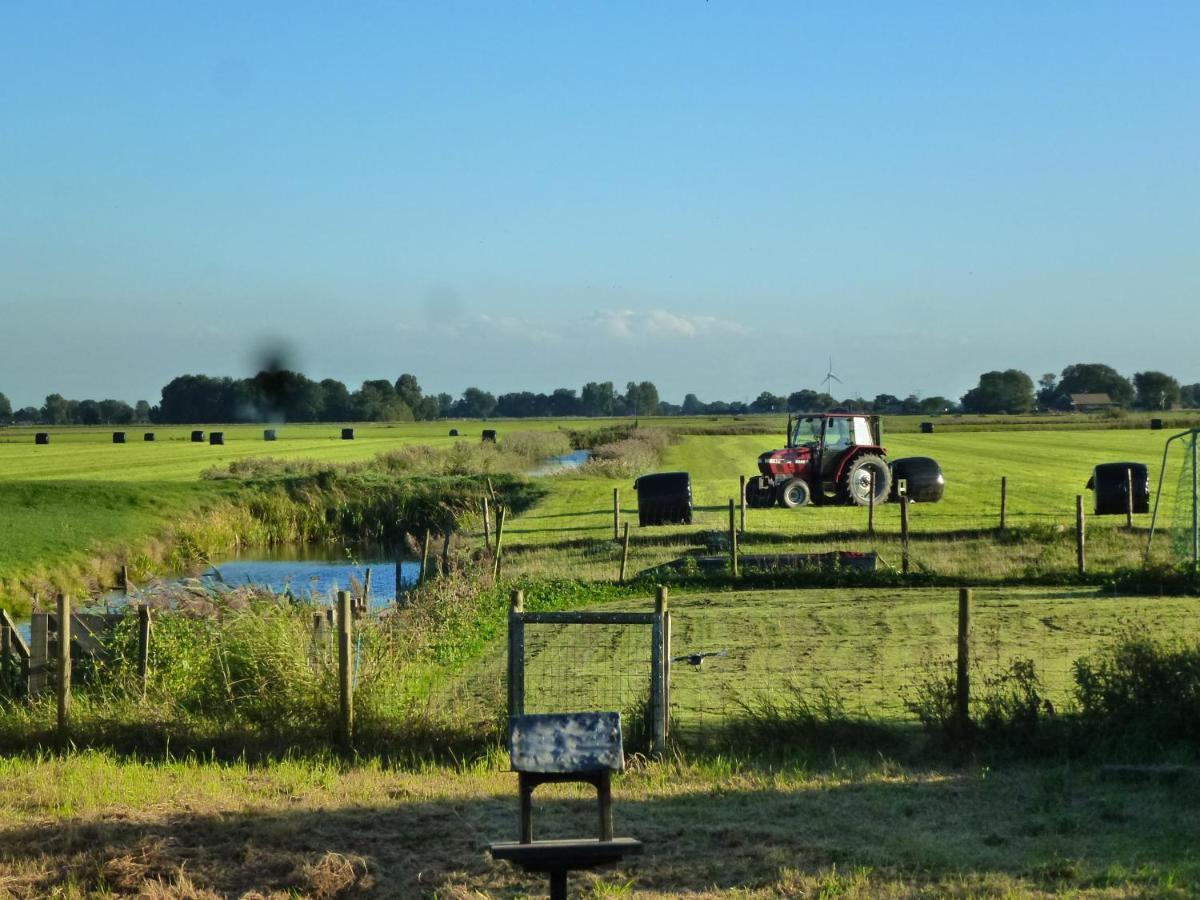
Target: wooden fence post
<point x="742" y="502"/>
<point x="616" y="514"/>
<point x="499" y="542"/>
<point x="733" y="540"/>
<point x="6" y="653"/>
<point x="424" y="559"/>
<point x="124" y="578"/>
<point x="904" y="535"/>
<point x="962" y="684"/>
<point x="516" y="654"/>
<point x="366" y="595"/>
<point x="624" y="553"/>
<point x="64" y="668"/>
<point x="871" y="506"/>
<point x="16" y="644"/>
<point x="39" y="653"/>
<point x="1080" y="536"/>
<point x="487" y="524"/>
<point x="1003" y="502"/>
<point x="658" y="680"/>
<point x="143" y="646"/>
<point x="1129" y="498"/>
<point x="446" y="551"/>
<point x="345" y="625"/>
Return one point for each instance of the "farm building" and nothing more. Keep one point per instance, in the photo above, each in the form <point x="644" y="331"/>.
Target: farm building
<point x="1090" y="402"/>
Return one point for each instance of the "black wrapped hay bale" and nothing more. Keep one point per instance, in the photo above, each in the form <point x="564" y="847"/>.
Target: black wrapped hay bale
<point x="453" y="432"/>
<point x="347" y="434"/>
<point x="269" y="434"/>
<point x="197" y="437"/>
<point x="41" y="437"/>
<point x="1110" y="483"/>
<point x="489" y="435"/>
<point x="118" y="437"/>
<point x="217" y="438"/>
<point x="926" y="428"/>
<point x="923" y="479"/>
<point x="664" y="498"/>
<point x="148" y="436"/>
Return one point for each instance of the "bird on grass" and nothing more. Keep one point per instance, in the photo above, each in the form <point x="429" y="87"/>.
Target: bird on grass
<point x="697" y="659"/>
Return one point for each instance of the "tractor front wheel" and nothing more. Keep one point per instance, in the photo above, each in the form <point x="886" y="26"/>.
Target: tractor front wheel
<point x="760" y="493"/>
<point x="794" y="493"/>
<point x="856" y="481"/>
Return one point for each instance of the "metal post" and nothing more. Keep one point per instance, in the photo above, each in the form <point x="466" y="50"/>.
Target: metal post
<point x="962" y="695"/>
<point x="64" y="667"/>
<point x="1003" y="502"/>
<point x="516" y="654"/>
<point x="143" y="645"/>
<point x="904" y="534"/>
<point x="1080" y="536"/>
<point x="345" y="625"/>
<point x="624" y="552"/>
<point x="871" y="506"/>
<point x="742" y="501"/>
<point x="1129" y="499"/>
<point x="658" y="703"/>
<point x="733" y="540"/>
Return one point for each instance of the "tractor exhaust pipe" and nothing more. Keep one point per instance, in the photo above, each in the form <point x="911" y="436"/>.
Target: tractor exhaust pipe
<point x="787" y="438"/>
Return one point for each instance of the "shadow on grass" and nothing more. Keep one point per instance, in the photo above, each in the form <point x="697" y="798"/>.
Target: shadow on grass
<point x="1043" y="829"/>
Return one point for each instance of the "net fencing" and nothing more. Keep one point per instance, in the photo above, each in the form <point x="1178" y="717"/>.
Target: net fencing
<point x="1184" y="524"/>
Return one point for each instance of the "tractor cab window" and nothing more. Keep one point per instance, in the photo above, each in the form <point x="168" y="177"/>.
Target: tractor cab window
<point x="837" y="433"/>
<point x="807" y="432"/>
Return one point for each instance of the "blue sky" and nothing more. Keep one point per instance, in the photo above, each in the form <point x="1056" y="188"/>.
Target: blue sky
<point x="714" y="196"/>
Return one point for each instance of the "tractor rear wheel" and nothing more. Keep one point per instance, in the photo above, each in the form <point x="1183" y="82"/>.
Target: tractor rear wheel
<point x="760" y="492"/>
<point x="794" y="493"/>
<point x="856" y="480"/>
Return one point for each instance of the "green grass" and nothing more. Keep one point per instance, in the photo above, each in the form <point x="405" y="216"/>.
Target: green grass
<point x="87" y="825"/>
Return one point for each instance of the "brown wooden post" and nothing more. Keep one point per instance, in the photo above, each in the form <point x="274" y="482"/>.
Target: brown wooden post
<point x="516" y="654"/>
<point x="487" y="524"/>
<point x="742" y="502"/>
<point x="1080" y="535"/>
<point x="143" y="645"/>
<point x="366" y="594"/>
<point x="1129" y="499"/>
<point x="125" y="578"/>
<point x="6" y="650"/>
<point x="667" y="668"/>
<point x="1003" y="502"/>
<point x="871" y="506"/>
<point x="64" y="668"/>
<point x="399" y="580"/>
<point x="904" y="535"/>
<point x="39" y="653"/>
<point x="733" y="541"/>
<point x="616" y="514"/>
<point x="446" y="551"/>
<point x="424" y="559"/>
<point x="658" y="704"/>
<point x="345" y="626"/>
<point x="624" y="553"/>
<point x="962" y="684"/>
<point x="499" y="542"/>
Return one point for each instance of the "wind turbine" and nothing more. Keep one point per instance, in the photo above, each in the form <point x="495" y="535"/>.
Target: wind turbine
<point x="830" y="377"/>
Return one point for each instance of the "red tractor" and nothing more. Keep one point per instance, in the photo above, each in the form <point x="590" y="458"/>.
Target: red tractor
<point x="829" y="458"/>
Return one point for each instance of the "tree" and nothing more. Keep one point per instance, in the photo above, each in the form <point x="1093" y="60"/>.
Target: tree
<point x="692" y="405"/>
<point x="475" y="404"/>
<point x="1010" y="391"/>
<point x="141" y="412"/>
<point x="563" y="402"/>
<point x="1156" y="390"/>
<point x="1048" y="392"/>
<point x="931" y="406"/>
<point x="408" y="390"/>
<point x="5" y="408"/>
<point x="336" y="405"/>
<point x="641" y="399"/>
<point x="1096" y="378"/>
<point x="597" y="398"/>
<point x="1189" y="395"/>
<point x="766" y="402"/>
<point x="56" y="411"/>
<point x="116" y="412"/>
<point x="26" y="415"/>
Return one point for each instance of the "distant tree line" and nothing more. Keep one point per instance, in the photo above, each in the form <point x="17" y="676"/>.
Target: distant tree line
<point x="1012" y="391"/>
<point x="285" y="396"/>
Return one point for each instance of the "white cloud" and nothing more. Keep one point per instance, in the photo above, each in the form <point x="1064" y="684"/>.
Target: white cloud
<point x="514" y="326"/>
<point x="626" y="323"/>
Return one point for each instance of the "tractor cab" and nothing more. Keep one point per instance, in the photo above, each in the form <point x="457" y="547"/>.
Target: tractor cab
<point x="829" y="458"/>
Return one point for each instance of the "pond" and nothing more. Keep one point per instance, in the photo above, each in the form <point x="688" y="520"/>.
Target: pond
<point x="313" y="573"/>
<point x="564" y="463"/>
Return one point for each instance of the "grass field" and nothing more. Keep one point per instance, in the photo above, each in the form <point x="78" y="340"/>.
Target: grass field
<point x="88" y="825"/>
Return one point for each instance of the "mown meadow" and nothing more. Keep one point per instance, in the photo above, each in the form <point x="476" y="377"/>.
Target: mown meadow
<point x="806" y="756"/>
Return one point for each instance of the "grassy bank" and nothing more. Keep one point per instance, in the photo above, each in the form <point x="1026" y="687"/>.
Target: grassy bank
<point x="91" y="825"/>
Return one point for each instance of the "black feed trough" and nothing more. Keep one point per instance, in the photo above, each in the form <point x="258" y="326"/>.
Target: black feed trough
<point x="664" y="499"/>
<point x="1111" y="481"/>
